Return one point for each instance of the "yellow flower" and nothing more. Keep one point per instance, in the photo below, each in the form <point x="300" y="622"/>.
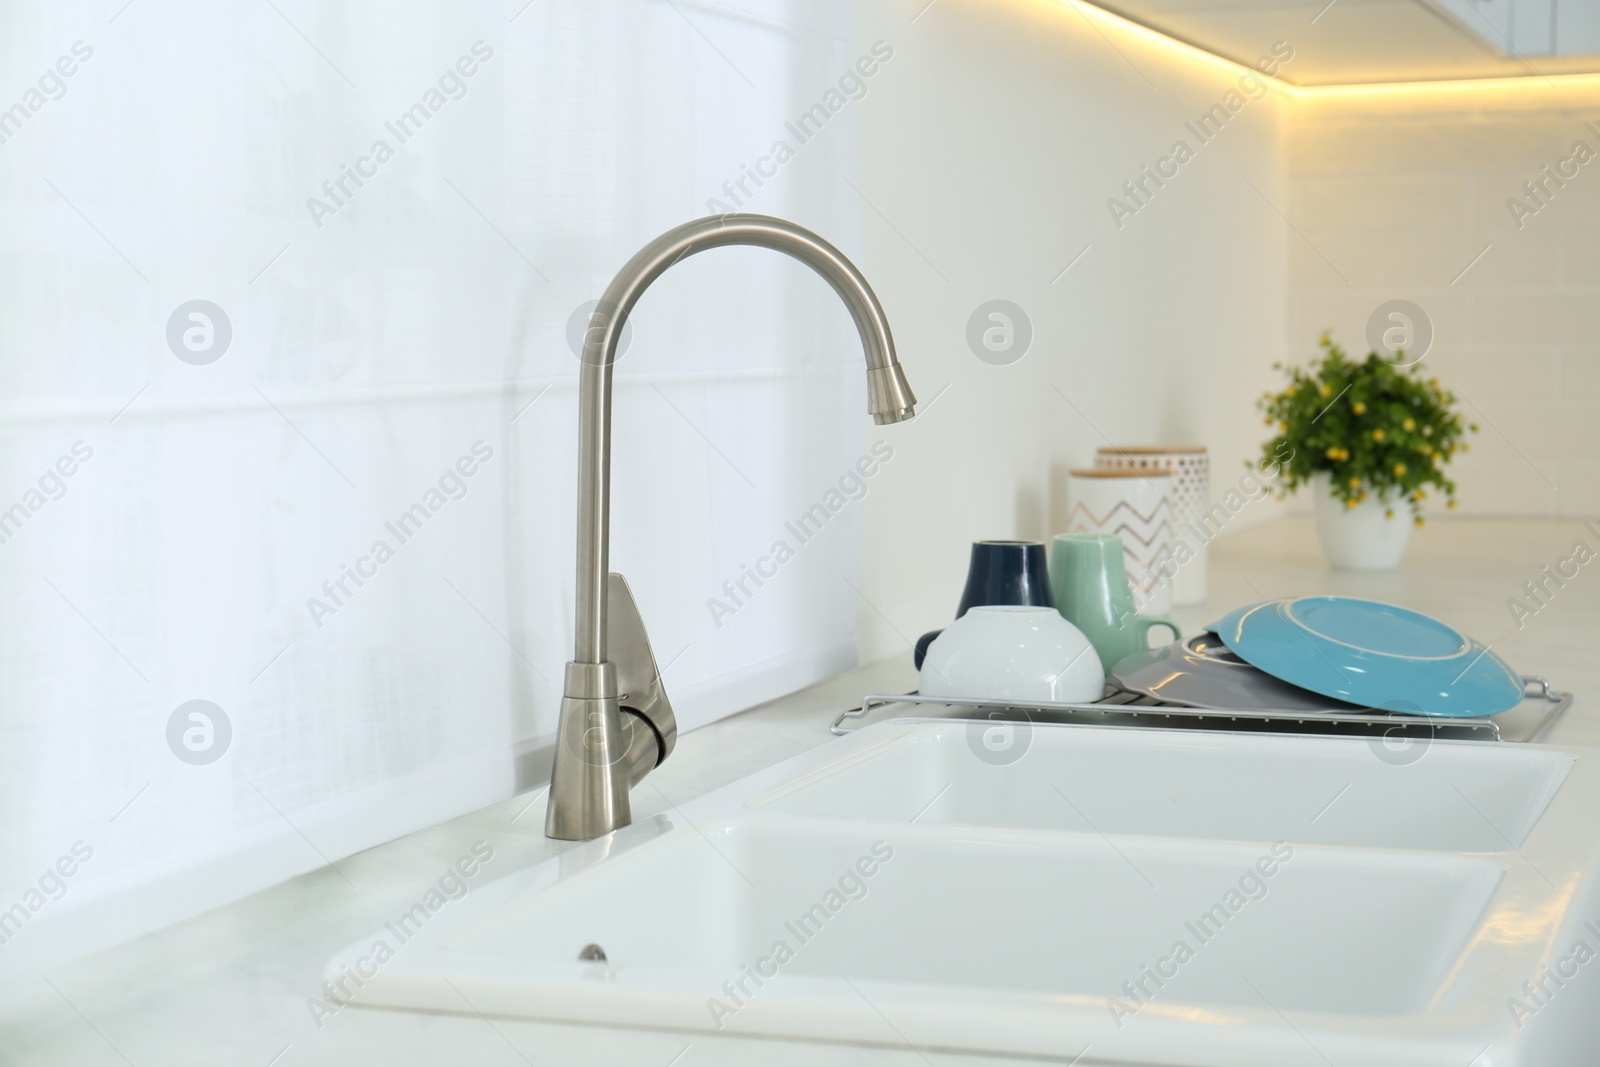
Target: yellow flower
<point x="1283" y="426"/>
<point x="1419" y="520"/>
<point x="1326" y="390"/>
<point x="1418" y="495"/>
<point x="1409" y="425"/>
<point x="1359" y="408"/>
<point x="1324" y="339"/>
<point x="1289" y="391"/>
<point x="1426" y="450"/>
<point x="1333" y="453"/>
<point x="1451" y="505"/>
<point x="1427" y="431"/>
<point x="1388" y="513"/>
<point x="1355" y="483"/>
<point x="1378" y="434"/>
<point x="1349" y="504"/>
<point x="1399" y="470"/>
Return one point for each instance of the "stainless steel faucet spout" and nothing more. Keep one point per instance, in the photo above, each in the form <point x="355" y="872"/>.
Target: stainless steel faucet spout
<point x="604" y="740"/>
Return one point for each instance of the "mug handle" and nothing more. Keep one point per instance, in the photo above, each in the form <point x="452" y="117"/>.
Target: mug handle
<point x="1146" y="623"/>
<point x="920" y="652"/>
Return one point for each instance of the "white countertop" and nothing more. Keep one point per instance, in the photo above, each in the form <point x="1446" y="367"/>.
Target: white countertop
<point x="232" y="986"/>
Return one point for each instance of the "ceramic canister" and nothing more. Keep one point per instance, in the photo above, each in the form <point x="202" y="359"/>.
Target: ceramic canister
<point x="1190" y="467"/>
<point x="1135" y="505"/>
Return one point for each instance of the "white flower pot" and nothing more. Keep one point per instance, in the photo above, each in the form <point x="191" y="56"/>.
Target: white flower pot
<point x="1361" y="538"/>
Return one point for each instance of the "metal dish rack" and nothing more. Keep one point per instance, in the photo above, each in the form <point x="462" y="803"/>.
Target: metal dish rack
<point x="1527" y="723"/>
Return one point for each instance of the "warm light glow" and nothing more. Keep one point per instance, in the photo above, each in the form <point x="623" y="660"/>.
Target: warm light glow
<point x="1180" y="1012"/>
<point x="1108" y="20"/>
<point x="1515" y="924"/>
<point x="1138" y="30"/>
<point x="1546" y="83"/>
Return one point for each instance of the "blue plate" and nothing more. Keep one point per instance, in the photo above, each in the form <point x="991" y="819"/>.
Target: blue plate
<point x="1376" y="655"/>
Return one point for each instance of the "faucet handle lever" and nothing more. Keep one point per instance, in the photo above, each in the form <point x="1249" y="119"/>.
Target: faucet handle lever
<point x="639" y="685"/>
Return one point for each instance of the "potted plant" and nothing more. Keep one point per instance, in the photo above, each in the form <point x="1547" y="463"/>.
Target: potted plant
<point x="1372" y="439"/>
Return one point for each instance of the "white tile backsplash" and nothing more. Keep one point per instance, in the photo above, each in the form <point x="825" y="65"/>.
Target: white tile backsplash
<point x="1402" y="190"/>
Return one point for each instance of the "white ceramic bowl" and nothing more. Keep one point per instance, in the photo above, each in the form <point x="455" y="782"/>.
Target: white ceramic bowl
<point x="1013" y="654"/>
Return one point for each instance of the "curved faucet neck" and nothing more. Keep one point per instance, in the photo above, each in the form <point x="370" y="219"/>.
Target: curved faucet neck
<point x="889" y="395"/>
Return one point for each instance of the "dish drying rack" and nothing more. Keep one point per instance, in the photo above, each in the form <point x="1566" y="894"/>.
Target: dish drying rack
<point x="1527" y="723"/>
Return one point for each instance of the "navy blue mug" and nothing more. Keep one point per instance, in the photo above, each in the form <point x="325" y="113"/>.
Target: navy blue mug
<point x="1001" y="573"/>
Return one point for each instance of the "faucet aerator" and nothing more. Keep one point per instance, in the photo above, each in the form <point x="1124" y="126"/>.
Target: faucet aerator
<point x="885" y="418"/>
<point x="889" y="395"/>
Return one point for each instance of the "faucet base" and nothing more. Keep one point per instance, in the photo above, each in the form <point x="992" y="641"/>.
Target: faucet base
<point x="589" y="782"/>
<point x="616" y="727"/>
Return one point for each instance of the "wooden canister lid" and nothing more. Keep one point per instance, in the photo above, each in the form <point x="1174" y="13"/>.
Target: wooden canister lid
<point x="1112" y="472"/>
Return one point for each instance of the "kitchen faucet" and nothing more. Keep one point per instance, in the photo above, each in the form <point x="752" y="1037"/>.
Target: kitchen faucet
<point x="616" y="722"/>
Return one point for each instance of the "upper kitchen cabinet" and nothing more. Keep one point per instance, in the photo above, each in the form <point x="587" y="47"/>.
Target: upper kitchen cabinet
<point x="1341" y="42"/>
<point x="1532" y="28"/>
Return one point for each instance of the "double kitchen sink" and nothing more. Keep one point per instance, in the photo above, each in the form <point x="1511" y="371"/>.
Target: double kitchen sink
<point x="1123" y="896"/>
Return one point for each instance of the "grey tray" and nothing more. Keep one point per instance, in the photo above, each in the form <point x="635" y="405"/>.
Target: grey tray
<point x="1528" y="722"/>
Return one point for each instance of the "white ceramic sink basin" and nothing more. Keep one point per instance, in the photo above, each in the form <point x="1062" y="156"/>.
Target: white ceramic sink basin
<point x="1151" y="897"/>
<point x="1437" y="797"/>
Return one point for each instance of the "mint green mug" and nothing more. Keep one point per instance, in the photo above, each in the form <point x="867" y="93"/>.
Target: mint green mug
<point x="1090" y="584"/>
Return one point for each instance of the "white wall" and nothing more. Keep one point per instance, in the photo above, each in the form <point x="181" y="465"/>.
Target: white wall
<point x="372" y="348"/>
<point x="988" y="159"/>
<point x="1396" y="194"/>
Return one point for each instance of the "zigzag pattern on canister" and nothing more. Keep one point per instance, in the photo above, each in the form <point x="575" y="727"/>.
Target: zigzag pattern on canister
<point x="1137" y="507"/>
<point x="1190" y="469"/>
